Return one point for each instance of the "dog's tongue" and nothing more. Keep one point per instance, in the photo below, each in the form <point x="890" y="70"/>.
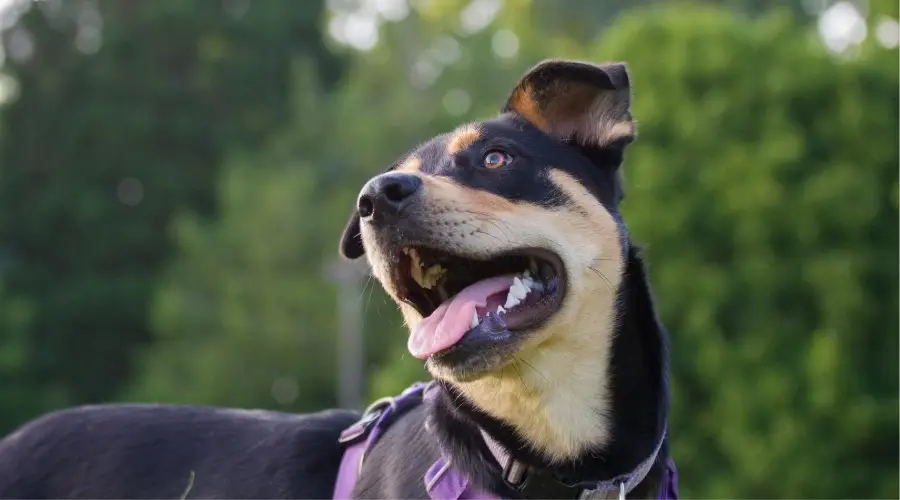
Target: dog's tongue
<point x="447" y="325"/>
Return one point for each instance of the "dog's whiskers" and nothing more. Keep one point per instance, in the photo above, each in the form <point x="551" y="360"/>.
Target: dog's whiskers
<point x="535" y="370"/>
<point x="515" y="366"/>
<point x="603" y="277"/>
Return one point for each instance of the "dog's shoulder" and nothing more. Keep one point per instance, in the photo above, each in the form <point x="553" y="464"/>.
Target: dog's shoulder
<point x="148" y="450"/>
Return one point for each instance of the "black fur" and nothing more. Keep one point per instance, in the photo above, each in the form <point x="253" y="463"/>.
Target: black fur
<point x="153" y="451"/>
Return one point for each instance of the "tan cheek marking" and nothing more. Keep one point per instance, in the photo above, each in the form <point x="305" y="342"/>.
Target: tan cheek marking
<point x="445" y="192"/>
<point x="411" y="164"/>
<point x="584" y="200"/>
<point x="463" y="138"/>
<point x="601" y="233"/>
<point x="523" y="103"/>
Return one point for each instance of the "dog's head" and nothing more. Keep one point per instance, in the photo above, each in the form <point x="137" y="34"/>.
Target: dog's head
<point x="501" y="241"/>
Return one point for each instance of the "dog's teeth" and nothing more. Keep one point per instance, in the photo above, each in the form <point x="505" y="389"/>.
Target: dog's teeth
<point x="526" y="282"/>
<point x="501" y="310"/>
<point x="474" y="322"/>
<point x="518" y="289"/>
<point x="526" y="274"/>
<point x="511" y="301"/>
<point x="532" y="266"/>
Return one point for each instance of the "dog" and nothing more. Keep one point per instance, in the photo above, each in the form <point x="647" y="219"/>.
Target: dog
<point x="503" y="244"/>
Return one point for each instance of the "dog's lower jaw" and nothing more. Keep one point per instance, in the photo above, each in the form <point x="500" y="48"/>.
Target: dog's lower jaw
<point x="555" y="394"/>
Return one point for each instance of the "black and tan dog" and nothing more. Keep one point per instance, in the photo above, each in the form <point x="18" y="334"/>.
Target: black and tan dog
<point x="503" y="244"/>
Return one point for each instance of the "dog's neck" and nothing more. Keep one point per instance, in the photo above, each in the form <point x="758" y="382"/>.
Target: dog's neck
<point x="627" y="423"/>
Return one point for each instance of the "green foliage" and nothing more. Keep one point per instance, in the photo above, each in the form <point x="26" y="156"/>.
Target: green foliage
<point x="107" y="138"/>
<point x="242" y="317"/>
<point x="764" y="184"/>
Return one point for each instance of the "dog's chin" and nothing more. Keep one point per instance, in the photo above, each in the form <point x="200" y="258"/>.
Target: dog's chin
<point x="480" y="353"/>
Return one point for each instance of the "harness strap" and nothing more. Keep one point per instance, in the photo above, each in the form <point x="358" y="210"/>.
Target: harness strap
<point x="444" y="482"/>
<point x="374" y="421"/>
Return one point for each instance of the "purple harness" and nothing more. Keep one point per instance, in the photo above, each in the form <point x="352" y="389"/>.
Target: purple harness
<point x="443" y="481"/>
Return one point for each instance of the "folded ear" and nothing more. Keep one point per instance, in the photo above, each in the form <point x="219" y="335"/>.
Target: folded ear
<point x="576" y="100"/>
<point x="351" y="246"/>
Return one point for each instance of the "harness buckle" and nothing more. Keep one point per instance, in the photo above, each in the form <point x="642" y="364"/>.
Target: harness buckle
<point x="515" y="475"/>
<point x="361" y="428"/>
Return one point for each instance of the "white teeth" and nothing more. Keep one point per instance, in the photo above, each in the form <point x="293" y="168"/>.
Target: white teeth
<point x="518" y="289"/>
<point x="526" y="282"/>
<point x="533" y="267"/>
<point x="501" y="310"/>
<point x="474" y="322"/>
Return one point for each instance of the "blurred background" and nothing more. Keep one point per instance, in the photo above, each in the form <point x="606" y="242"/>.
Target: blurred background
<point x="174" y="177"/>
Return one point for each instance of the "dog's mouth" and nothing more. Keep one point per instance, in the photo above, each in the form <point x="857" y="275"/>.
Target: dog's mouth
<point x="459" y="296"/>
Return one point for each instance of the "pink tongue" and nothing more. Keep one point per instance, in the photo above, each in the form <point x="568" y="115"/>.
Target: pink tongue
<point x="447" y="325"/>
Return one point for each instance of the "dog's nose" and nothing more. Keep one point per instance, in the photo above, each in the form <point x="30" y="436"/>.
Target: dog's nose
<point x="383" y="197"/>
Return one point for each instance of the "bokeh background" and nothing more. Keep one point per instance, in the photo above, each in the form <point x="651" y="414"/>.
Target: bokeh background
<point x="174" y="176"/>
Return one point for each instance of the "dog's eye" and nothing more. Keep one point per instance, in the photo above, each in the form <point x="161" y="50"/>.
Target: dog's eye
<point x="496" y="159"/>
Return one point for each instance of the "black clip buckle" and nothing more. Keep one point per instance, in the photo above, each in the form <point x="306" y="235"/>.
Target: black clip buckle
<point x="361" y="428"/>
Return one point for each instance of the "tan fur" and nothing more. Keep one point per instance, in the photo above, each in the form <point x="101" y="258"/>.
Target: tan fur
<point x="524" y="103"/>
<point x="464" y="137"/>
<point x="554" y="393"/>
<point x="411" y="164"/>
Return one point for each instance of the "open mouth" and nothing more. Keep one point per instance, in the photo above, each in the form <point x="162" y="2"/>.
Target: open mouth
<point x="459" y="296"/>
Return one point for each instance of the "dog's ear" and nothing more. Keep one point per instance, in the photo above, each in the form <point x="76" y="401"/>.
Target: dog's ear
<point x="578" y="101"/>
<point x="351" y="246"/>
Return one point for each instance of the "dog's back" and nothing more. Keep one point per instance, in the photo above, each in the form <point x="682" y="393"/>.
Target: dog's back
<point x="156" y="451"/>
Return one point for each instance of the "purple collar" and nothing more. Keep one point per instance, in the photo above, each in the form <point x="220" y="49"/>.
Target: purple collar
<point x="445" y="482"/>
